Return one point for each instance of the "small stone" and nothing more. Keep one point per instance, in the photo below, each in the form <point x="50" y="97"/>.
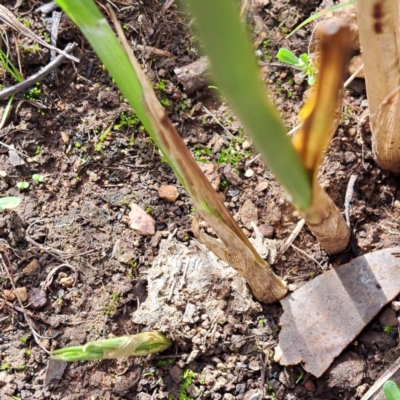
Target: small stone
<point x="347" y="371"/>
<point x="362" y="389"/>
<point x="246" y="145"/>
<point x="231" y="176"/>
<point x="298" y="79"/>
<point x="21" y="293"/>
<point x="288" y="378"/>
<point x="33" y="268"/>
<point x="255" y="394"/>
<point x="193" y="391"/>
<point x="387" y="317"/>
<point x="67" y="281"/>
<point x="8" y="295"/>
<point x="352" y="131"/>
<point x="176" y="374"/>
<point x="65" y="137"/>
<point x="261" y="186"/>
<point x="395" y="305"/>
<point x="37" y="298"/>
<point x="249" y="173"/>
<point x="310" y="385"/>
<point x="349" y="157"/>
<point x="397" y="204"/>
<point x="248" y="213"/>
<point x="141" y="222"/>
<point x="240" y="388"/>
<point x="280" y="393"/>
<point x="219" y="384"/>
<point x="143" y="396"/>
<point x="168" y="193"/>
<point x="254" y="365"/>
<point x="211" y="172"/>
<point x="266" y="230"/>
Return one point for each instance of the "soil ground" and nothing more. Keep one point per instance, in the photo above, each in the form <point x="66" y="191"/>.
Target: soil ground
<point x="79" y="214"/>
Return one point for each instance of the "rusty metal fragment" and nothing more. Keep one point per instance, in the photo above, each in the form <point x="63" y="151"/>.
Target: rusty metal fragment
<point x="325" y="315"/>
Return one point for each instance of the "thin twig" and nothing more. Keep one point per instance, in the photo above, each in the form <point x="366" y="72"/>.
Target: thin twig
<point x="8" y="18"/>
<point x="306" y="255"/>
<point x="252" y="160"/>
<point x="230" y="135"/>
<point x="39" y="76"/>
<point x="291" y="238"/>
<point x="348" y="198"/>
<point x="13" y="148"/>
<point x="353" y="76"/>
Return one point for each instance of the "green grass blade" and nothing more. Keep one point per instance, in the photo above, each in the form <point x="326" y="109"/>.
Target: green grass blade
<point x="391" y="391"/>
<point x="9" y="66"/>
<point x="320" y="14"/>
<point x="234" y="68"/>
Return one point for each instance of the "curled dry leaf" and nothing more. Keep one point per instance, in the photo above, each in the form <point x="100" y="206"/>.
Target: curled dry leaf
<point x="325" y="315"/>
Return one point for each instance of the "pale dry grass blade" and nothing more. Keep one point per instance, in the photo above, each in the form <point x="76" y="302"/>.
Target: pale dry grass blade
<point x="8" y="18"/>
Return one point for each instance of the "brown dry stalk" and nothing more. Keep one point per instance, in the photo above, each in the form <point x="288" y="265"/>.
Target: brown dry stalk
<point x="378" y="22"/>
<point x="320" y="120"/>
<point x="233" y="247"/>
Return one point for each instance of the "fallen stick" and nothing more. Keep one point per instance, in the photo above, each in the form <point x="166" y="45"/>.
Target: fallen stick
<point x="39" y="76"/>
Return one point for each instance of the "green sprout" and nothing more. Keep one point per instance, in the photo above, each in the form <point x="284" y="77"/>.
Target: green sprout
<point x="136" y="345"/>
<point x="38" y="178"/>
<point x="301" y="63"/>
<point x="391" y="391"/>
<point x="388" y="329"/>
<point x="22" y="185"/>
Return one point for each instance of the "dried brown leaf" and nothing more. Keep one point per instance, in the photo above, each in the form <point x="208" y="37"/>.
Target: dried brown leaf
<point x="325" y="315"/>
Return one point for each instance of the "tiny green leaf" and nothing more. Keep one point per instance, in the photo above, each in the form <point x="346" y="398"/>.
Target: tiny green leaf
<point x="9" y="202"/>
<point x="304" y="58"/>
<point x="287" y="57"/>
<point x="22" y="185"/>
<point x="37" y="178"/>
<point x="391" y="391"/>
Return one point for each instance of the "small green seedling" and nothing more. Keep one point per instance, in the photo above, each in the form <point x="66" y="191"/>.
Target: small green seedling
<point x="301" y="63"/>
<point x="388" y="329"/>
<point x="22" y="185"/>
<point x="38" y="178"/>
<point x="391" y="391"/>
<point x="9" y="202"/>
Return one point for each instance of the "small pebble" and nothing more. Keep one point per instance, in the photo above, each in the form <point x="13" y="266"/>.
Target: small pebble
<point x="168" y="193"/>
<point x="21" y="293"/>
<point x="246" y="145"/>
<point x="249" y="173"/>
<point x="310" y="385"/>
